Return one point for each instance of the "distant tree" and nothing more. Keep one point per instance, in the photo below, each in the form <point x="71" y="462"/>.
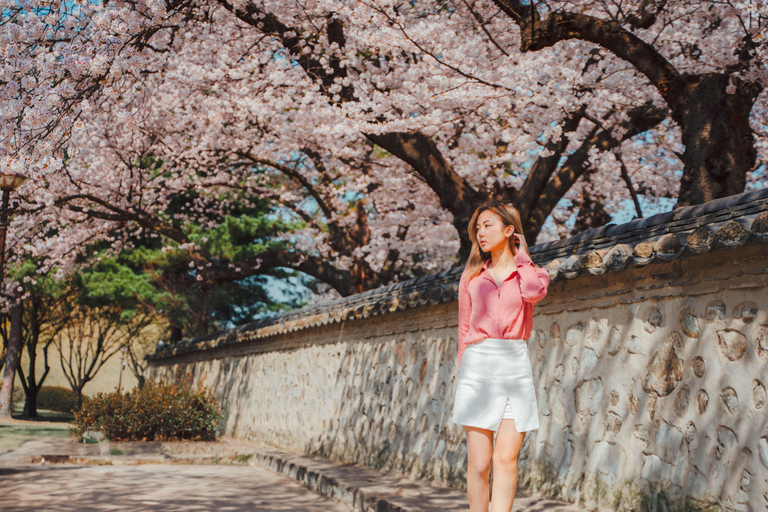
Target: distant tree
<point x="219" y="278"/>
<point x="44" y="316"/>
<point x="90" y="337"/>
<point x="109" y="311"/>
<point x="139" y="347"/>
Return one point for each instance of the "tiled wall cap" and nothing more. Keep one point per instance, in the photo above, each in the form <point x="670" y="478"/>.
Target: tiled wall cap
<point x="724" y="224"/>
<point x="668" y="247"/>
<point x="593" y="262"/>
<point x="553" y="267"/>
<point x="618" y="257"/>
<point x="759" y="228"/>
<point x="643" y="253"/>
<point x="572" y="267"/>
<point x="700" y="240"/>
<point x="731" y="234"/>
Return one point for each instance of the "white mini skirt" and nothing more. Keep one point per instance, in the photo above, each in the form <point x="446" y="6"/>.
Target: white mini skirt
<point x="496" y="382"/>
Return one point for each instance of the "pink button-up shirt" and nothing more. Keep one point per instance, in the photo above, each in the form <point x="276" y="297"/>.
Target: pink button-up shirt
<point x="490" y="311"/>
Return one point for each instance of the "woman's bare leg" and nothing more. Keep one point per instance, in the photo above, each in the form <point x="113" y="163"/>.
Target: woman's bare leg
<point x="508" y="444"/>
<point x="479" y="453"/>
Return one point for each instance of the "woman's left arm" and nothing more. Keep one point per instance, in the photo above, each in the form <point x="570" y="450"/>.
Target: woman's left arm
<point x="533" y="281"/>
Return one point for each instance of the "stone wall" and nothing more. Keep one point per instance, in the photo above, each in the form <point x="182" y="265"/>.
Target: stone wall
<point x="649" y="361"/>
<point x="376" y="390"/>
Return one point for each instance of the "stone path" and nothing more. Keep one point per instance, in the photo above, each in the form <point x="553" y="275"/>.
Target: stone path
<point x="369" y="489"/>
<point x="66" y="488"/>
<point x="58" y="475"/>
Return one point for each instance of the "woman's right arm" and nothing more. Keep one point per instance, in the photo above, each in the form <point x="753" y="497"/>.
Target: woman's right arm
<point x="533" y="281"/>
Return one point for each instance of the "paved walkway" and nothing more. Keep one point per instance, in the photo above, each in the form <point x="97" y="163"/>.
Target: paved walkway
<point x="58" y="475"/>
<point x="66" y="488"/>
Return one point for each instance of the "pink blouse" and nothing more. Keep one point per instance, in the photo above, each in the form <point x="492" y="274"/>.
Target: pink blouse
<point x="490" y="311"/>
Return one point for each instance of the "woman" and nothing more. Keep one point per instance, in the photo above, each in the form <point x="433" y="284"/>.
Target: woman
<point x="495" y="391"/>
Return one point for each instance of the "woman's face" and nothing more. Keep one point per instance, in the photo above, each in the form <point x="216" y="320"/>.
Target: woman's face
<point x="491" y="232"/>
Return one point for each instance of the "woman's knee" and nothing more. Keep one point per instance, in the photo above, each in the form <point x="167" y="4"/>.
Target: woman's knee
<point x="479" y="451"/>
<point x="479" y="466"/>
<point x="505" y="462"/>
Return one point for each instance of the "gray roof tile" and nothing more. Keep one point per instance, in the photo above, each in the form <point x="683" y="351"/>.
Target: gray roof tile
<point x="724" y="224"/>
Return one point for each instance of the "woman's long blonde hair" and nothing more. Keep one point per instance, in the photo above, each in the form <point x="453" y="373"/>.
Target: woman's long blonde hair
<point x="509" y="217"/>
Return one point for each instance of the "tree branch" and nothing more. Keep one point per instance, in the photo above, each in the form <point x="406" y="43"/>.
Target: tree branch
<point x="291" y="39"/>
<point x="641" y="118"/>
<point x="537" y="34"/>
<point x="543" y="168"/>
<point x="137" y="216"/>
<point x="647" y="14"/>
<point x="316" y="267"/>
<point x="628" y="180"/>
<point x="296" y="176"/>
<point x="455" y="194"/>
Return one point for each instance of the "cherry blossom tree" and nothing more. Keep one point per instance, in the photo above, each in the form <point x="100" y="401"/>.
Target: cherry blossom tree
<point x="709" y="85"/>
<point x="90" y="337"/>
<point x="592" y="92"/>
<point x="369" y="121"/>
<point x="212" y="169"/>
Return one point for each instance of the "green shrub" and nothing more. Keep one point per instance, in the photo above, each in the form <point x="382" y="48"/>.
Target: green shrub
<point x="156" y="412"/>
<point x="50" y="398"/>
<point x="55" y="398"/>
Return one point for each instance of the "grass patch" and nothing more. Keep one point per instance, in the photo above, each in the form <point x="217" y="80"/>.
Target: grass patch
<point x="13" y="436"/>
<point x="243" y="458"/>
<point x="115" y="451"/>
<point x="46" y="415"/>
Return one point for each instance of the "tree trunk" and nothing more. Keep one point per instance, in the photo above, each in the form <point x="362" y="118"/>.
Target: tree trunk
<point x="30" y="380"/>
<point x="555" y="189"/>
<point x="176" y="334"/>
<point x="719" y="146"/>
<point x="11" y="361"/>
<point x="549" y="193"/>
<point x="30" y="402"/>
<point x="201" y="320"/>
<point x="542" y="170"/>
<point x="79" y="396"/>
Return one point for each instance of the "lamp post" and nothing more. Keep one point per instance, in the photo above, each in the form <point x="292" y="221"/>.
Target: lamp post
<point x="8" y="182"/>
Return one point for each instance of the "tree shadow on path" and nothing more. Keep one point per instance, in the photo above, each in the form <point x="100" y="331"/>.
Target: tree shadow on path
<point x="168" y="488"/>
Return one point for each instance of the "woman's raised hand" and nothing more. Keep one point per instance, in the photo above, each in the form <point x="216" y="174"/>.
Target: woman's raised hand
<point x="523" y="244"/>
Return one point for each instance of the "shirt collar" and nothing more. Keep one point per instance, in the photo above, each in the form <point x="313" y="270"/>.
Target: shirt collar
<point x="488" y="276"/>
